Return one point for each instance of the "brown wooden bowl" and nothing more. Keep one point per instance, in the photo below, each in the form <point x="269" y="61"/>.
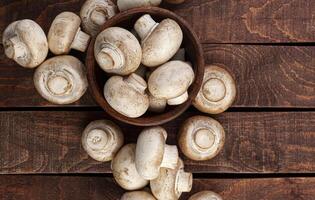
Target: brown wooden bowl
<point x="194" y="54"/>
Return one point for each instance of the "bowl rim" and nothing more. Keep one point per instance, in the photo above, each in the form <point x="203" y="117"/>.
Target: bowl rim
<point x="159" y="118"/>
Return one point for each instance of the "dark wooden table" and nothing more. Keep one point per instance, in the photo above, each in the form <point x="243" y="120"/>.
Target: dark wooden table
<point x="270" y="146"/>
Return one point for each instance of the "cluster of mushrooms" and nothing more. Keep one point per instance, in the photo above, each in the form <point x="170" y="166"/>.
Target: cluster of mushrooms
<point x="148" y="75"/>
<point x="152" y="161"/>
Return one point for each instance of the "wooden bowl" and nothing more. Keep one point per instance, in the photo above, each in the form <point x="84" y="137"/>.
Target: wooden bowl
<point x="97" y="77"/>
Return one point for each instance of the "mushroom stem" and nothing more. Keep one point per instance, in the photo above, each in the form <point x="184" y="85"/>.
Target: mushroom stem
<point x="97" y="139"/>
<point x="110" y="57"/>
<point x="144" y="26"/>
<point x="137" y="82"/>
<point x="17" y="50"/>
<point x="81" y="41"/>
<point x="170" y="157"/>
<point x="58" y="84"/>
<point x="178" y="100"/>
<point x="98" y="17"/>
<point x="184" y="181"/>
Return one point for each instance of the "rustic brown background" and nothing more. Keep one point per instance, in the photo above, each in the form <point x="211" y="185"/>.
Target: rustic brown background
<point x="268" y="45"/>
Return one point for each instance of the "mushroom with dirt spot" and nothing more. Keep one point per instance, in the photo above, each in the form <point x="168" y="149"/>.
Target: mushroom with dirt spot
<point x="65" y="34"/>
<point x="25" y="42"/>
<point x="101" y="139"/>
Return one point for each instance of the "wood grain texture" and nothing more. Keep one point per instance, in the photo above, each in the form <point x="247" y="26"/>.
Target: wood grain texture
<point x="102" y="188"/>
<point x="264" y="142"/>
<point x="266" y="76"/>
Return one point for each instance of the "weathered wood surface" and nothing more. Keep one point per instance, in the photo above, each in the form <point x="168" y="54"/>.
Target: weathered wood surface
<point x="227" y="21"/>
<point x="266" y="76"/>
<point x="102" y="188"/>
<point x="263" y="142"/>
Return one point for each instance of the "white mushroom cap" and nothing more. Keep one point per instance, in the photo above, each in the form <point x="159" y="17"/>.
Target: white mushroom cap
<point x="218" y="91"/>
<point x="61" y="79"/>
<point x="160" y="42"/>
<point x="117" y="51"/>
<point x="171" y="183"/>
<point x="65" y="34"/>
<point x="127" y="95"/>
<point x="137" y="195"/>
<point x="171" y="81"/>
<point x="102" y="139"/>
<point x="205" y="195"/>
<point x="124" y="169"/>
<point x="152" y="153"/>
<point x="94" y="14"/>
<point x="25" y="42"/>
<point x="201" y="138"/>
<point x="128" y="4"/>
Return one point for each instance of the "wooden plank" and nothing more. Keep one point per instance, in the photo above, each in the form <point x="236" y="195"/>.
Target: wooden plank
<point x="266" y="76"/>
<point x="102" y="188"/>
<point x="227" y="21"/>
<point x="258" y="142"/>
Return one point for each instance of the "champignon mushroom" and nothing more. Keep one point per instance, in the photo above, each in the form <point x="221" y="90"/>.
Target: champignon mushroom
<point x="160" y="42"/>
<point x="117" y="51"/>
<point x="25" y="42"/>
<point x="102" y="139"/>
<point x="128" y="4"/>
<point x="127" y="95"/>
<point x="124" y="169"/>
<point x="175" y="1"/>
<point x="137" y="195"/>
<point x="201" y="138"/>
<point x="171" y="183"/>
<point x="94" y="14"/>
<point x="205" y="195"/>
<point x="65" y="34"/>
<point x="61" y="79"/>
<point x="171" y="81"/>
<point x="218" y="91"/>
<point x="152" y="153"/>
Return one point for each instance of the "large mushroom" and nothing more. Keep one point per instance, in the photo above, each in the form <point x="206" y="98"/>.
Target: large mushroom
<point x="124" y="169"/>
<point x="25" y="42"/>
<point x="206" y="195"/>
<point x="171" y="82"/>
<point x="102" y="139"/>
<point x="94" y="14"/>
<point x="127" y="95"/>
<point x="137" y="195"/>
<point x="128" y="4"/>
<point x="65" y="34"/>
<point x="201" y="138"/>
<point x="160" y="41"/>
<point x="218" y="91"/>
<point x="152" y="153"/>
<point x="171" y="183"/>
<point x="117" y="51"/>
<point x="61" y="79"/>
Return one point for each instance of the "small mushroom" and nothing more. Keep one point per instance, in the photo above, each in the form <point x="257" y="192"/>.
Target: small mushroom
<point x="218" y="91"/>
<point x="102" y="139"/>
<point x="65" y="34"/>
<point x="171" y="81"/>
<point x="127" y="95"/>
<point x="205" y="195"/>
<point x="124" y="169"/>
<point x="61" y="79"/>
<point x="174" y="1"/>
<point x="25" y="42"/>
<point x="94" y="14"/>
<point x="117" y="51"/>
<point x="137" y="195"/>
<point x="201" y="138"/>
<point x="160" y="41"/>
<point x="171" y="183"/>
<point x="152" y="153"/>
<point x="128" y="4"/>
